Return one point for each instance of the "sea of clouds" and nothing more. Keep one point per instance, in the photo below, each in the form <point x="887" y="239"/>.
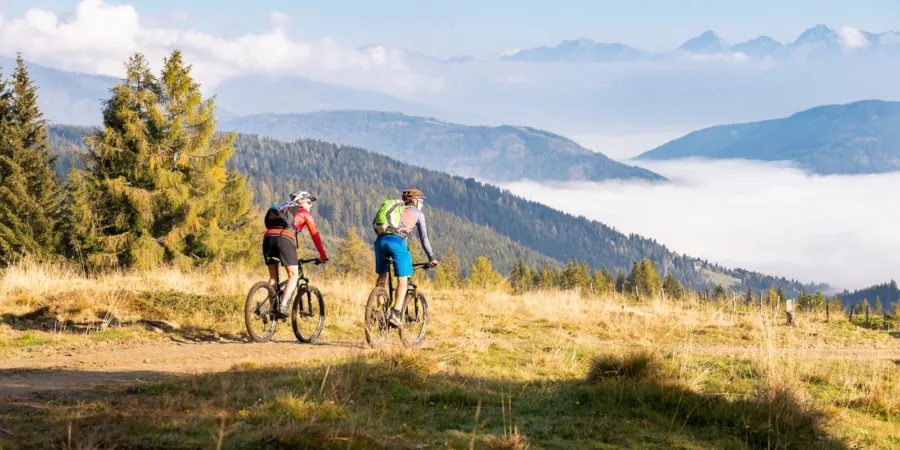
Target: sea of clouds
<point x="771" y="218"/>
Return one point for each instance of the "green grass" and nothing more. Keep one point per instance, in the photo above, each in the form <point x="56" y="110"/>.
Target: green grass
<point x="720" y="278"/>
<point x="28" y="339"/>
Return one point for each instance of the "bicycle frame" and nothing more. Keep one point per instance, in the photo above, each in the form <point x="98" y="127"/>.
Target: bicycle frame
<point x="411" y="287"/>
<point x="302" y="281"/>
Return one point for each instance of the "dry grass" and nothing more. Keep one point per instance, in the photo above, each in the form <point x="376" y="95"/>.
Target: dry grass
<point x="498" y="368"/>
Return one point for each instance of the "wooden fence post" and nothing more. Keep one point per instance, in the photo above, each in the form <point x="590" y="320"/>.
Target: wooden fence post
<point x="867" y="316"/>
<point x="827" y="312"/>
<point x="789" y="309"/>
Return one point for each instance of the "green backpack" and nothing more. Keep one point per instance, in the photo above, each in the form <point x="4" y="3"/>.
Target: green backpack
<point x="387" y="221"/>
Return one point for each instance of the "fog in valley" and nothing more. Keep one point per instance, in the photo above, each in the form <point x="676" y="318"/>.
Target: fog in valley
<point x="765" y="217"/>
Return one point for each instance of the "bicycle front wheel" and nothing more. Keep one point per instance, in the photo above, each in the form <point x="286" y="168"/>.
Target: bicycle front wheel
<point x="376" y="320"/>
<point x="258" y="312"/>
<point x="414" y="321"/>
<point x="308" y="314"/>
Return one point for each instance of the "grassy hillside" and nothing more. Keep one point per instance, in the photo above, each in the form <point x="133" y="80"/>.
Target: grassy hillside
<point x="501" y="153"/>
<point x="474" y="217"/>
<point x="498" y="371"/>
<point x="860" y="137"/>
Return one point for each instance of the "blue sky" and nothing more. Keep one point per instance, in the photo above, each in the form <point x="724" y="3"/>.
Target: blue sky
<point x="484" y="28"/>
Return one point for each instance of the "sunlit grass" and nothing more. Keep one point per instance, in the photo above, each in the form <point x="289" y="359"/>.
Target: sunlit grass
<point x="549" y="369"/>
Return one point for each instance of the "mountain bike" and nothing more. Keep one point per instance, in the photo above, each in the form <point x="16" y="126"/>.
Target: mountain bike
<point x="308" y="309"/>
<point x="378" y="310"/>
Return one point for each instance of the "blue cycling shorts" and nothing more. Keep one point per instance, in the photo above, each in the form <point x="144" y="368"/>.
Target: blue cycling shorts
<point x="389" y="245"/>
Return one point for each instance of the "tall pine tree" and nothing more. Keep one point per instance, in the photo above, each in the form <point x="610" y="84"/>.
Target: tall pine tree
<point x="31" y="191"/>
<point x="155" y="188"/>
<point x="672" y="287"/>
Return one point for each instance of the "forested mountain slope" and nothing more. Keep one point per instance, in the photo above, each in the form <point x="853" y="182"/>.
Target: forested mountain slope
<point x="500" y="153"/>
<point x="475" y="218"/>
<point x="859" y="137"/>
<point x="887" y="293"/>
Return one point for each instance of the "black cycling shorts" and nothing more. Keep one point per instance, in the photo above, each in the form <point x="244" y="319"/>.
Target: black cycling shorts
<point x="279" y="248"/>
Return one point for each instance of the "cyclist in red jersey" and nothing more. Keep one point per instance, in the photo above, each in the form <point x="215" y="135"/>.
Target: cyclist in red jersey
<point x="283" y="224"/>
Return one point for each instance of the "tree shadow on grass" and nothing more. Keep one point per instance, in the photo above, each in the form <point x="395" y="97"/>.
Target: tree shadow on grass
<point x="403" y="400"/>
<point x="47" y="319"/>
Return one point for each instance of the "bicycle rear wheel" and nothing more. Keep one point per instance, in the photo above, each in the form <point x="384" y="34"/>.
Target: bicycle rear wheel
<point x="414" y="321"/>
<point x="308" y="314"/>
<point x="258" y="310"/>
<point x="375" y="322"/>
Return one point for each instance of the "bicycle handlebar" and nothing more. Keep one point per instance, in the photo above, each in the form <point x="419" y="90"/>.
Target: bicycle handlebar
<point x="306" y="261"/>
<point x="422" y="265"/>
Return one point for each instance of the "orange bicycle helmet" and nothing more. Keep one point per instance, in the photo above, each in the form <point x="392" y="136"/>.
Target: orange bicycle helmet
<point x="412" y="193"/>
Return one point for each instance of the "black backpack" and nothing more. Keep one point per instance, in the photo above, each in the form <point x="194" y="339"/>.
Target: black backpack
<point x="281" y="216"/>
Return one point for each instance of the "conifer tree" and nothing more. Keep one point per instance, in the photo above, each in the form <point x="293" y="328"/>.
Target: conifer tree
<point x="155" y="187"/>
<point x="547" y="281"/>
<point x="520" y="277"/>
<point x="608" y="279"/>
<point x="482" y="275"/>
<point x="599" y="286"/>
<point x="878" y="307"/>
<point x="749" y="295"/>
<point x="447" y="274"/>
<point x="353" y="256"/>
<point x="837" y="303"/>
<point x="30" y="189"/>
<point x="650" y="281"/>
<point x="719" y="292"/>
<point x="633" y="281"/>
<point x="773" y="295"/>
<point x="621" y="280"/>
<point x="672" y="287"/>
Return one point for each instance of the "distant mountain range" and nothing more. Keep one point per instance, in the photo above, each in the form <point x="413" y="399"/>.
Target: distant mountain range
<point x="581" y="50"/>
<point x="503" y="153"/>
<point x="76" y="98"/>
<point x="855" y="138"/>
<point x="816" y="39"/>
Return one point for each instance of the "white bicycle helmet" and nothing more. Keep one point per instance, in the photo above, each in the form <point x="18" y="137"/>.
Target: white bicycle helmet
<point x="302" y="195"/>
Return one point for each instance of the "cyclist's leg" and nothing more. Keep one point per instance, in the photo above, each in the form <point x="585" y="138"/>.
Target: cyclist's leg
<point x="381" y="267"/>
<point x="287" y="253"/>
<point x="271" y="254"/>
<point x="293" y="278"/>
<point x="403" y="270"/>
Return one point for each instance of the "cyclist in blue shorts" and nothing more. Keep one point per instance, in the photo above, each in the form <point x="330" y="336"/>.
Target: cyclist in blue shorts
<point x="392" y="242"/>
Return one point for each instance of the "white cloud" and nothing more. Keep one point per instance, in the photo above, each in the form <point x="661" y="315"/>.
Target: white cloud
<point x="99" y="37"/>
<point x="720" y="56"/>
<point x="279" y="19"/>
<point x="765" y="217"/>
<point x="852" y="38"/>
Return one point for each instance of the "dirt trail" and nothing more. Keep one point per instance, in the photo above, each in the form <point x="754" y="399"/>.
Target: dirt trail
<point x="64" y="371"/>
